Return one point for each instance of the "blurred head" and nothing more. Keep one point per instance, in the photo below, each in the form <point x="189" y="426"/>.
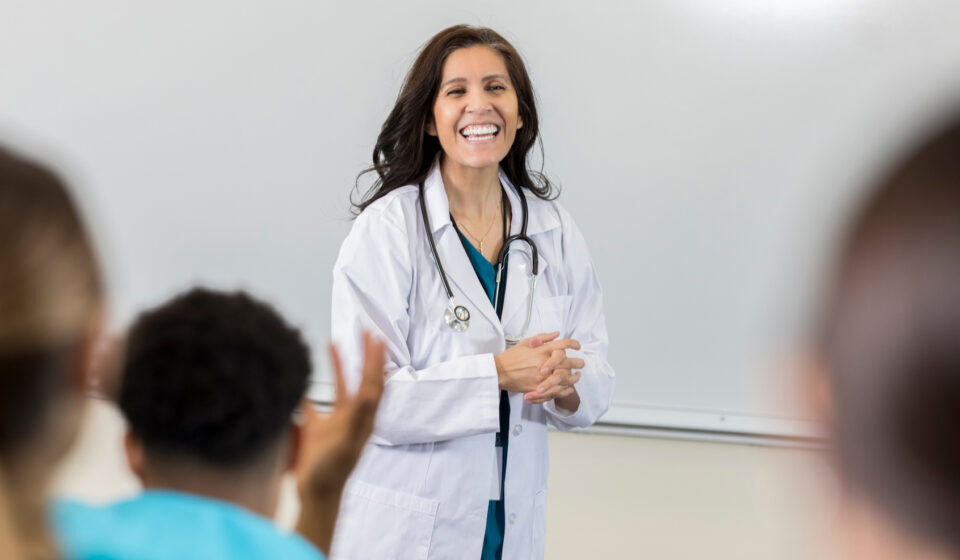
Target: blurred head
<point x="890" y="345"/>
<point x="431" y="113"/>
<point x="51" y="295"/>
<point x="210" y="382"/>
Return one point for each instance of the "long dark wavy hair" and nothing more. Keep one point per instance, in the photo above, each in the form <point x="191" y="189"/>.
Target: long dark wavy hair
<point x="404" y="152"/>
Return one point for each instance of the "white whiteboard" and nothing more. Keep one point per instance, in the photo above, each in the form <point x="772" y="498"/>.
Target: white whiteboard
<point x="706" y="149"/>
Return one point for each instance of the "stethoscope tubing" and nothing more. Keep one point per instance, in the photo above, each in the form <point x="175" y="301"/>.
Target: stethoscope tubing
<point x="501" y="260"/>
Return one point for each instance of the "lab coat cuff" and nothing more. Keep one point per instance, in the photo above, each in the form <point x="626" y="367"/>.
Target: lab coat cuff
<point x="491" y="397"/>
<point x="560" y="413"/>
<point x="565" y="419"/>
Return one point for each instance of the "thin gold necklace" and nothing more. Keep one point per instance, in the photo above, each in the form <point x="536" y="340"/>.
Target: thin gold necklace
<point x="490" y="227"/>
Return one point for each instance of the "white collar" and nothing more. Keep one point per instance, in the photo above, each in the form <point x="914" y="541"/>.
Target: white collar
<point x="438" y="206"/>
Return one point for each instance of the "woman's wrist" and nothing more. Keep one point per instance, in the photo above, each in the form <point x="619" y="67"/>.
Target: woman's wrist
<point x="497" y="361"/>
<point x="569" y="403"/>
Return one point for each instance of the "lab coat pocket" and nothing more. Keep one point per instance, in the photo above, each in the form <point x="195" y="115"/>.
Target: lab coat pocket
<point x="539" y="522"/>
<point x="378" y="522"/>
<point x="551" y="313"/>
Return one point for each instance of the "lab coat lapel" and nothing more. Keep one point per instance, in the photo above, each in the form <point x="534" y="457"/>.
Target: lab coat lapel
<point x="519" y="285"/>
<point x="456" y="264"/>
<point x="520" y="262"/>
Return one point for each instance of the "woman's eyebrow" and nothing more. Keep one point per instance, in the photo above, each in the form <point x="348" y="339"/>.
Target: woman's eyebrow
<point x="485" y="79"/>
<point x="452" y="81"/>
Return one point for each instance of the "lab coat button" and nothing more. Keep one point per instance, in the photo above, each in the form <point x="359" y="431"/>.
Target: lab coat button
<point x="517" y="429"/>
<point x="512" y="518"/>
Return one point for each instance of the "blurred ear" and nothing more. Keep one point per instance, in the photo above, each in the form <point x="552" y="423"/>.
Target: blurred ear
<point x="296" y="444"/>
<point x="431" y="128"/>
<point x="519" y="122"/>
<point x="82" y="376"/>
<point x="817" y="390"/>
<point x="136" y="455"/>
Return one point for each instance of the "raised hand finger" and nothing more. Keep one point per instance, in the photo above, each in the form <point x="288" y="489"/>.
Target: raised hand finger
<point x="340" y="382"/>
<point x="371" y="387"/>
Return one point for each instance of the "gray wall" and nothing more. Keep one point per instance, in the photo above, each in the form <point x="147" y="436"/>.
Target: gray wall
<point x="705" y="147"/>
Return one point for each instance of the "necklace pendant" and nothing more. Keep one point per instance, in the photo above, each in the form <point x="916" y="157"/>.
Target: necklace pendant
<point x="481" y="247"/>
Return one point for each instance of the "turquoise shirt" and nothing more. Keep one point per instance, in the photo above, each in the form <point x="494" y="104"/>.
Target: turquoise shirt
<point x="493" y="537"/>
<point x="161" y="525"/>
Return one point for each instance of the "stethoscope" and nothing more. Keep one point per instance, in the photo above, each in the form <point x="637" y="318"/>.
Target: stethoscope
<point x="457" y="316"/>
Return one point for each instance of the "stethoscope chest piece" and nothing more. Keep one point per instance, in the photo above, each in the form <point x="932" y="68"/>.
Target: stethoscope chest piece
<point x="457" y="317"/>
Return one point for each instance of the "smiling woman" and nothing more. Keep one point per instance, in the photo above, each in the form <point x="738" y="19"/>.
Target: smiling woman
<point x="475" y="115"/>
<point x="457" y="465"/>
<point x="403" y="154"/>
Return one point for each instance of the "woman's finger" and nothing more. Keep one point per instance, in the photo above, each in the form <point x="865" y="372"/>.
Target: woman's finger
<point x="547" y="395"/>
<point x="564" y="344"/>
<point x="572" y="364"/>
<point x="541" y="339"/>
<point x="554" y="380"/>
<point x="555" y="359"/>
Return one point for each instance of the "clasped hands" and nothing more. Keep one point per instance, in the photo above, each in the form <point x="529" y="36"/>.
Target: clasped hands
<point x="539" y="367"/>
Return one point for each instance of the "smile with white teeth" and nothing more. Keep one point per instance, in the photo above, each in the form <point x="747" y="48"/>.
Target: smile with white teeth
<point x="479" y="132"/>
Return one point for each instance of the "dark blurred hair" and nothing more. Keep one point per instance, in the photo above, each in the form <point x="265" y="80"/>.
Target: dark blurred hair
<point x="212" y="376"/>
<point x="891" y="338"/>
<point x="50" y="288"/>
<point x="404" y="152"/>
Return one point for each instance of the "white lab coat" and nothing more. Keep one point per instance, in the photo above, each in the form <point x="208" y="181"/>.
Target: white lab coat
<point x="423" y="484"/>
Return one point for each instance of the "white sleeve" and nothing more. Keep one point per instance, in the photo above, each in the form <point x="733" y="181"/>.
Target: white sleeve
<point x="585" y="322"/>
<point x="372" y="282"/>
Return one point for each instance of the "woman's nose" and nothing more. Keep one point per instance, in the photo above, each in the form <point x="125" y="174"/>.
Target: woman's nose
<point x="478" y="102"/>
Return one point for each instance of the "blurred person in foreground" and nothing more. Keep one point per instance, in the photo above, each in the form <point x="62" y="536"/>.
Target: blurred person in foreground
<point x="887" y="374"/>
<point x="51" y="303"/>
<point x="209" y="385"/>
<point x="51" y="300"/>
<point x="9" y="542"/>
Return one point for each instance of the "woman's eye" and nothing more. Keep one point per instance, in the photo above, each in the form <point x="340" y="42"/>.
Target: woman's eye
<point x="458" y="91"/>
<point x="497" y="87"/>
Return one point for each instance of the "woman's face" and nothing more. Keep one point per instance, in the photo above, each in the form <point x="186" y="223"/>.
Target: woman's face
<point x="475" y="114"/>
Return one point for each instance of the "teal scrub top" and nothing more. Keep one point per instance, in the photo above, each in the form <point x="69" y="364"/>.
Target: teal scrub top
<point x="161" y="525"/>
<point x="493" y="536"/>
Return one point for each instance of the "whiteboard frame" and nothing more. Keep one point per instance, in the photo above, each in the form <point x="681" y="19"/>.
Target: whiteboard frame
<point x="644" y="420"/>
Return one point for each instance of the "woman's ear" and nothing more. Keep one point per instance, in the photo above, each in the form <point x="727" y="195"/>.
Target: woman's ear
<point x="519" y="122"/>
<point x="431" y="128"/>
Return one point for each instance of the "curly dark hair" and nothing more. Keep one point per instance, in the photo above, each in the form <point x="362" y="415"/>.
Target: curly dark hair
<point x="214" y="376"/>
